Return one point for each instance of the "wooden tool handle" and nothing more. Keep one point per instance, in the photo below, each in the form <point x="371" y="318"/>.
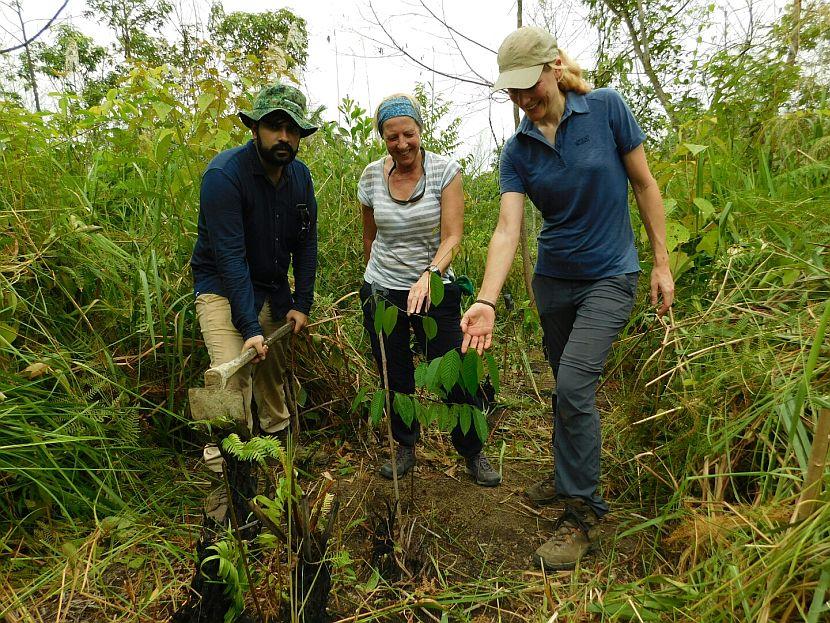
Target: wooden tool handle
<point x="219" y="375"/>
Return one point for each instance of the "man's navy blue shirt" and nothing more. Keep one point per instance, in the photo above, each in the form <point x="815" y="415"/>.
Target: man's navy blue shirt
<point x="580" y="186"/>
<point x="250" y="232"/>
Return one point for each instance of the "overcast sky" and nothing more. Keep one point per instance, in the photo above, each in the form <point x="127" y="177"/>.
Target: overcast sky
<point x="349" y="53"/>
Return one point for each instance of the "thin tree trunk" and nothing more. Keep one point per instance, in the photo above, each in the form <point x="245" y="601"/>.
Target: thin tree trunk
<point x="794" y="40"/>
<point x="29" y="66"/>
<point x="639" y="40"/>
<point x="527" y="269"/>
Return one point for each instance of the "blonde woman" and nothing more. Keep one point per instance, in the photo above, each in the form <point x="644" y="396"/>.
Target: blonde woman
<point x="574" y="155"/>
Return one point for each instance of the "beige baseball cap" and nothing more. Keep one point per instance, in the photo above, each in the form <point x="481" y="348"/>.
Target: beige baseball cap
<point x="522" y="56"/>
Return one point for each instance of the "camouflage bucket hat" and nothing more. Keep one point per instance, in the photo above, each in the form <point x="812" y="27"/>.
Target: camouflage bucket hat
<point x="279" y="97"/>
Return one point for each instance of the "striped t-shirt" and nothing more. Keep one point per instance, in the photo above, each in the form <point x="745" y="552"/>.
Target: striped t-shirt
<point x="408" y="235"/>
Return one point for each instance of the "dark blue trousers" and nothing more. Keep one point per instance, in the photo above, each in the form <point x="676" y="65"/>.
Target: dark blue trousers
<point x="400" y="367"/>
<point x="580" y="320"/>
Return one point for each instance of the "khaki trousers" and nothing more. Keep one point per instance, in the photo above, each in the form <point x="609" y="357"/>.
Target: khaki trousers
<point x="264" y="380"/>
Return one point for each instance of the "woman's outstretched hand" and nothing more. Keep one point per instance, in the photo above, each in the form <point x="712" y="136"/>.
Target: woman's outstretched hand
<point x="477" y="325"/>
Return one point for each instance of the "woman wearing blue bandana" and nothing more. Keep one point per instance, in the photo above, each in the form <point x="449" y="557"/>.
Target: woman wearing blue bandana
<point x="413" y="218"/>
<point x="574" y="155"/>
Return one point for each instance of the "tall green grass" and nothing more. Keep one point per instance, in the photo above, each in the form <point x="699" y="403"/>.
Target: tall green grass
<point x="712" y="413"/>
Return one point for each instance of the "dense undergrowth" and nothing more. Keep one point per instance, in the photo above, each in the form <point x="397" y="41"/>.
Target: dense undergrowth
<point x="712" y="410"/>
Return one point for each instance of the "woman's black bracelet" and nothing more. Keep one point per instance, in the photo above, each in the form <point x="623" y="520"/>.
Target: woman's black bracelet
<point x="488" y="303"/>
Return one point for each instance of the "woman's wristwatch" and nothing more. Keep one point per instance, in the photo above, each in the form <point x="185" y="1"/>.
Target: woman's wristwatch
<point x="432" y="268"/>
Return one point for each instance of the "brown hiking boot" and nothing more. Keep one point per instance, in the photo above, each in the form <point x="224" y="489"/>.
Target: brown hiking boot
<point x="574" y="535"/>
<point x="542" y="492"/>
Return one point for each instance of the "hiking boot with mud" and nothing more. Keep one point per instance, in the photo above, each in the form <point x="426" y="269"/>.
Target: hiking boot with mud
<point x="574" y="534"/>
<point x="542" y="492"/>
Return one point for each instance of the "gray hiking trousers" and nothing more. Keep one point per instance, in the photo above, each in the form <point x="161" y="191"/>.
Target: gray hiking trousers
<point x="580" y="319"/>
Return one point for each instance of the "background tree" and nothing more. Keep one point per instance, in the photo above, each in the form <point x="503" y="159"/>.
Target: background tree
<point x="27" y="71"/>
<point x="269" y="43"/>
<point x="75" y="63"/>
<point x="643" y="49"/>
<point x="134" y="22"/>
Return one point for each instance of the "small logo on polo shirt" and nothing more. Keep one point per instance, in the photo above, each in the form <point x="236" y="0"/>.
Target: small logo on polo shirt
<point x="583" y="140"/>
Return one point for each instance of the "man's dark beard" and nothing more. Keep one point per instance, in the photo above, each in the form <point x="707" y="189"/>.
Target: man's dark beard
<point x="279" y="155"/>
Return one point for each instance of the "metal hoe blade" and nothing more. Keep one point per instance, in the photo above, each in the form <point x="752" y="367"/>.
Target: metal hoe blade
<point x="211" y="403"/>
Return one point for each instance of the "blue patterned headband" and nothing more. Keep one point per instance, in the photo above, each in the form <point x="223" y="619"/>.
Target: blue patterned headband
<point x="397" y="107"/>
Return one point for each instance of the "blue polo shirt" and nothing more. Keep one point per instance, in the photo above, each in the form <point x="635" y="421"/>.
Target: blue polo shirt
<point x="580" y="186"/>
<point x="251" y="232"/>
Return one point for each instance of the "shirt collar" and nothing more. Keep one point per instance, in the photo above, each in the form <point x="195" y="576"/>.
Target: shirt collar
<point x="253" y="158"/>
<point x="574" y="103"/>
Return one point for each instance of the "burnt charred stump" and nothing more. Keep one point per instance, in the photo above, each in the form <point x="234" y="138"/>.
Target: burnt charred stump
<point x="311" y="579"/>
<point x="311" y="575"/>
<point x="207" y="601"/>
<point x="382" y="525"/>
<point x="397" y="550"/>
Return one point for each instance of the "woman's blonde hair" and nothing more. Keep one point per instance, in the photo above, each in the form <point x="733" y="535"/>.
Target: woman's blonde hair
<point x="412" y="101"/>
<point x="572" y="79"/>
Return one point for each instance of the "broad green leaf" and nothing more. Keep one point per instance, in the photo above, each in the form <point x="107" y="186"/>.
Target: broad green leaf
<point x="694" y="149"/>
<point x="430" y="327"/>
<point x="480" y="423"/>
<point x="464" y="417"/>
<point x="421" y="374"/>
<point x="788" y="277"/>
<point x="471" y="371"/>
<point x="449" y="369"/>
<point x="376" y="408"/>
<point x="669" y="205"/>
<point x="372" y="582"/>
<point x="679" y="263"/>
<point x="446" y="417"/>
<point x="428" y="414"/>
<point x="162" y="109"/>
<point x="361" y="394"/>
<point x="493" y="371"/>
<point x="163" y="141"/>
<point x="404" y="408"/>
<point x="709" y="242"/>
<point x="705" y="206"/>
<point x="8" y="332"/>
<point x="390" y="319"/>
<point x="432" y="380"/>
<point x="380" y="308"/>
<point x="221" y="139"/>
<point x="205" y="100"/>
<point x="436" y="289"/>
<point x="676" y="234"/>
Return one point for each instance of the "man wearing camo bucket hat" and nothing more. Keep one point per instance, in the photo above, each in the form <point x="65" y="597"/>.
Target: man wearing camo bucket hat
<point x="257" y="218"/>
